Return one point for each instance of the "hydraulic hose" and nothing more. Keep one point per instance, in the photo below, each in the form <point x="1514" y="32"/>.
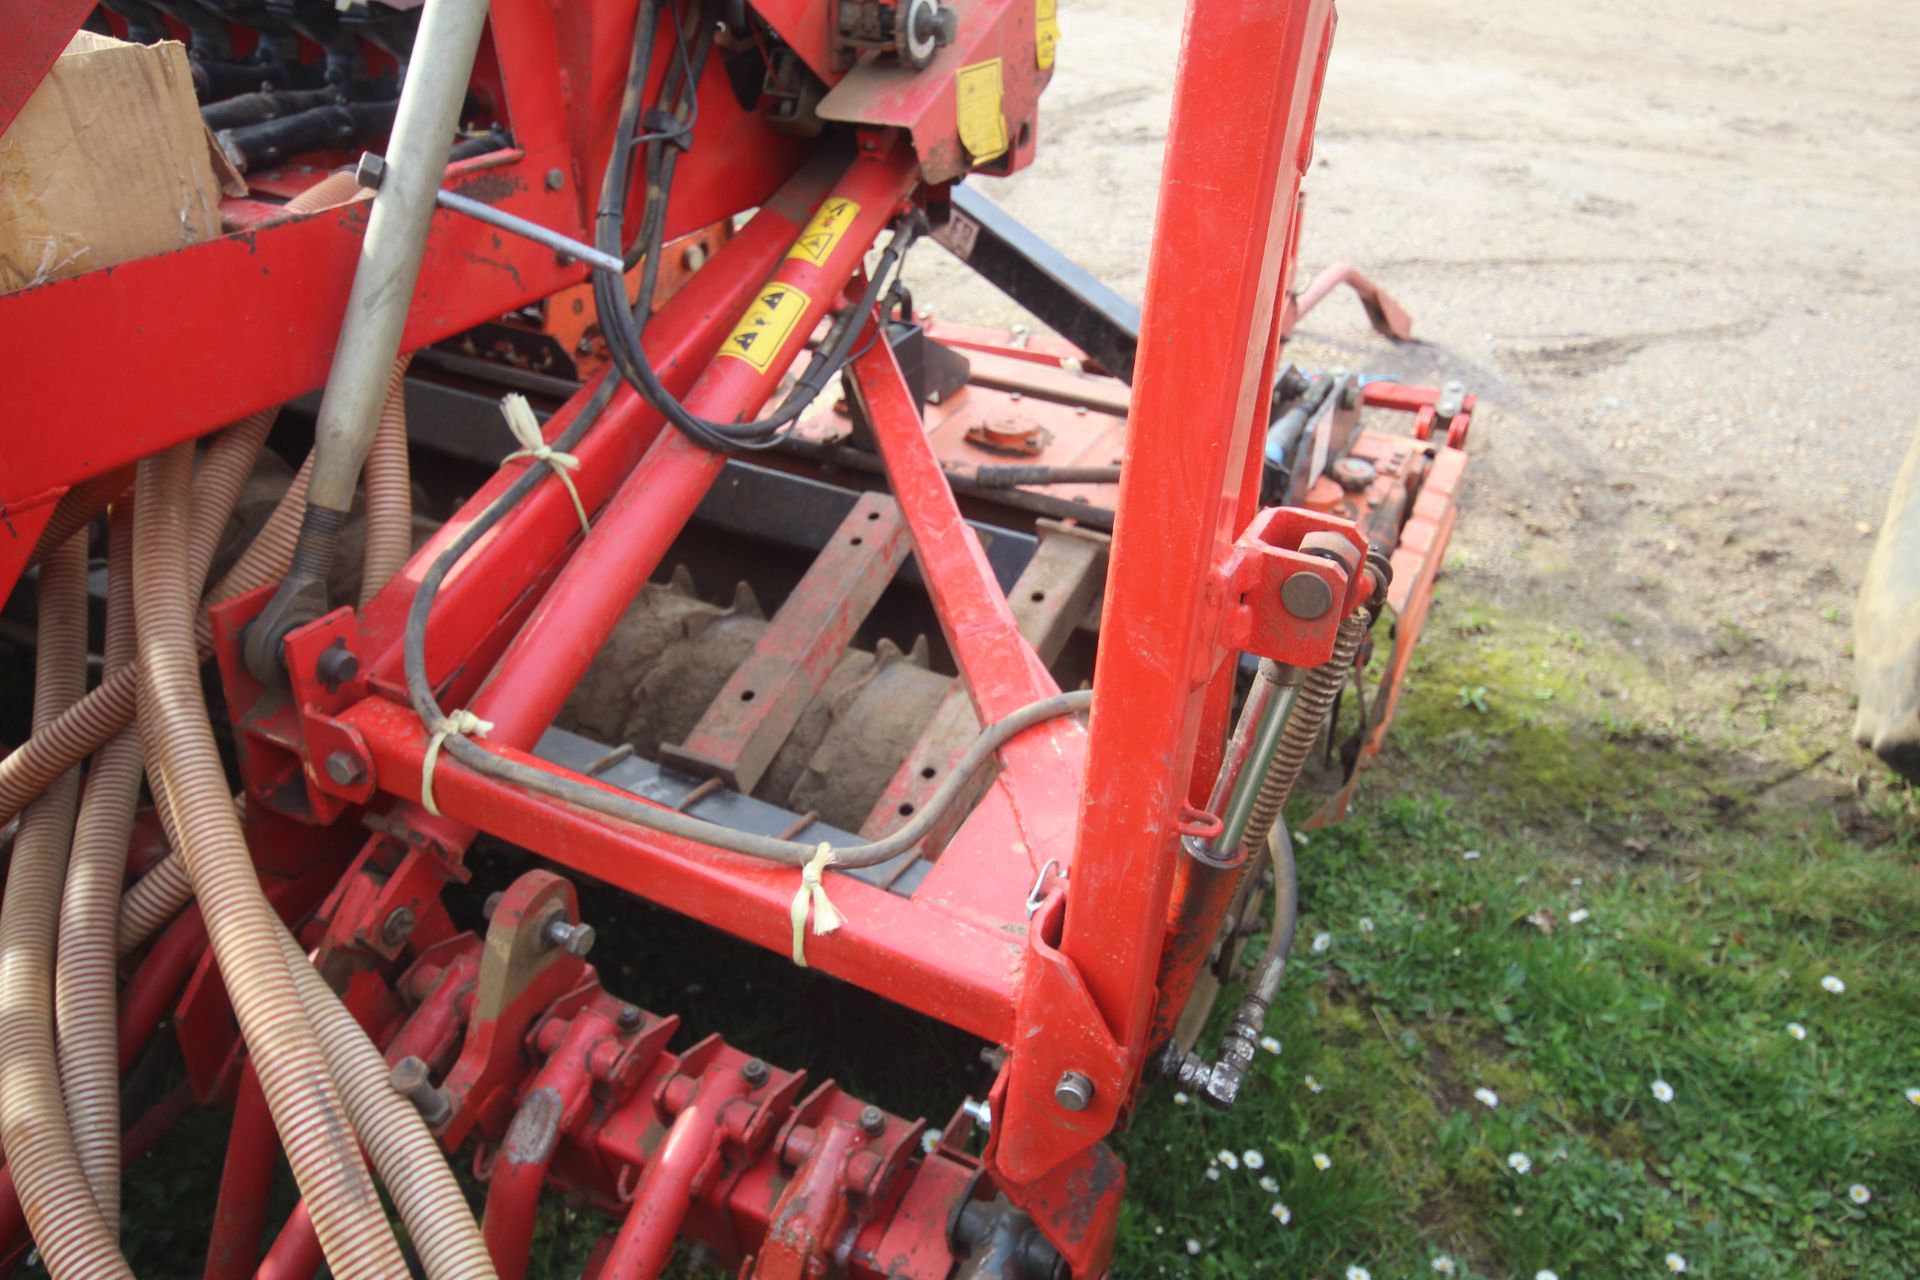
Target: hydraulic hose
<point x="83" y="728"/>
<point x="74" y="1239"/>
<point x="86" y="1013"/>
<point x="439" y="1221"/>
<point x="244" y="932"/>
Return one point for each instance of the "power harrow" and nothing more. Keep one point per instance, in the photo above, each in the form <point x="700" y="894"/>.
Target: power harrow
<point x="975" y="670"/>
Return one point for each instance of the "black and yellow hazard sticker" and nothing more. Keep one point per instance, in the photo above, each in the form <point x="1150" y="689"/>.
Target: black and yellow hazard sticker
<point x="764" y="329"/>
<point x="822" y="236"/>
<point x="983" y="123"/>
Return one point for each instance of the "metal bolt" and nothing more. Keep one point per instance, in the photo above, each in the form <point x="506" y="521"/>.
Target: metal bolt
<point x="399" y="926"/>
<point x="754" y="1072"/>
<point x="1306" y="595"/>
<point x="873" y="1121"/>
<point x="981" y="1113"/>
<point x="345" y="769"/>
<point x="335" y="666"/>
<point x="574" y="939"/>
<point x="371" y="170"/>
<point x="694" y="256"/>
<point x="492" y="904"/>
<point x="410" y="1078"/>
<point x="1074" y="1092"/>
<point x="555" y="179"/>
<point x="630" y="1017"/>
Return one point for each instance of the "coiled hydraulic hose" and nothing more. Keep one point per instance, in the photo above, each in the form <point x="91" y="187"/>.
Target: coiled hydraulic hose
<point x="389" y="490"/>
<point x="66" y="1223"/>
<point x="241" y="926"/>
<point x="86" y="1013"/>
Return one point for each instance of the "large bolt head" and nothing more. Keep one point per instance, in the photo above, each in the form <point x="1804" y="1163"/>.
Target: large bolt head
<point x="754" y="1072"/>
<point x="399" y="926"/>
<point x="344" y="769"/>
<point x="1074" y="1092"/>
<point x="873" y="1121"/>
<point x="1306" y="595"/>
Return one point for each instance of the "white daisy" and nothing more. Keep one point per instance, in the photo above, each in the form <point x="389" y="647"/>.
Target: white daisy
<point x="1676" y="1263"/>
<point x="1486" y="1097"/>
<point x="1443" y="1264"/>
<point x="1181" y="1099"/>
<point x="1321" y="1161"/>
<point x="1366" y="924"/>
<point x="1253" y="1159"/>
<point x="1228" y="1159"/>
<point x="1544" y="1274"/>
<point x="1797" y="1031"/>
<point x="1471" y="854"/>
<point x="1833" y="985"/>
<point x="1859" y="1194"/>
<point x="1579" y="915"/>
<point x="1322" y="943"/>
<point x="1313" y="1086"/>
<point x="1520" y="1162"/>
<point x="1913" y="1096"/>
<point x="1281" y="1213"/>
<point x="1578" y="881"/>
<point x="1270" y="1043"/>
<point x="1662" y="1091"/>
<point x="1270" y="1185"/>
<point x="1193" y="1246"/>
<point x="1358" y="1273"/>
<point x="1213" y="1173"/>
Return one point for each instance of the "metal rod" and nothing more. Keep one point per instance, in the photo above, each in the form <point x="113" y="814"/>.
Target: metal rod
<point x="1246" y="785"/>
<point x="513" y="224"/>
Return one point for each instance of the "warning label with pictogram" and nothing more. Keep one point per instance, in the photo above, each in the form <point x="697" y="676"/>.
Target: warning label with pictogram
<point x="822" y="236"/>
<point x="983" y="123"/>
<point x="764" y="329"/>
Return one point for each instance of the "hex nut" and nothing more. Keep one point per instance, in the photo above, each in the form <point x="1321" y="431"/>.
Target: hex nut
<point x="344" y="769"/>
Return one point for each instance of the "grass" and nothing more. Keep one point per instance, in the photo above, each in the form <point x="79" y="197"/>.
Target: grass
<point x="1714" y="911"/>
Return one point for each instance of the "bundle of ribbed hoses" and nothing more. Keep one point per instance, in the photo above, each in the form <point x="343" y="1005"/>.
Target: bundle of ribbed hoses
<point x="62" y="922"/>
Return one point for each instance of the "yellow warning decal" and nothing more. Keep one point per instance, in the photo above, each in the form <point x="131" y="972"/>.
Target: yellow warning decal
<point x="1046" y="31"/>
<point x="822" y="236"/>
<point x="764" y="329"/>
<point x="983" y="125"/>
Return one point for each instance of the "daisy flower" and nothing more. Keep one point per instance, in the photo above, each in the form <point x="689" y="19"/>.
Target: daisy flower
<point x="1859" y="1194"/>
<point x="1321" y="1161"/>
<point x="1270" y="1185"/>
<point x="1193" y="1246"/>
<point x="1832" y="985"/>
<point x="1544" y="1274"/>
<point x="1676" y="1263"/>
<point x="1270" y="1043"/>
<point x="1322" y="943"/>
<point x="1281" y="1214"/>
<point x="1579" y="915"/>
<point x="1228" y="1159"/>
<point x="1520" y="1162"/>
<point x="1358" y="1273"/>
<point x="1913" y="1096"/>
<point x="1797" y="1031"/>
<point x="1443" y="1264"/>
<point x="1253" y="1159"/>
<point x="1181" y="1099"/>
<point x="1471" y="854"/>
<point x="1213" y="1173"/>
<point x="1313" y="1086"/>
<point x="1578" y="881"/>
<point x="1366" y="924"/>
<point x="1662" y="1091"/>
<point x="1486" y="1097"/>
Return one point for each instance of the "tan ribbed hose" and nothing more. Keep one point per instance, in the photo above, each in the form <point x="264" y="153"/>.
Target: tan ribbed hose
<point x="245" y="934"/>
<point x="85" y="1010"/>
<point x="439" y="1221"/>
<point x="67" y="1227"/>
<point x="70" y="738"/>
<point x="389" y="486"/>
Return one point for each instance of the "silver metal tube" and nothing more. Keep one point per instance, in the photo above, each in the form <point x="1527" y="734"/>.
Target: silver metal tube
<point x="416" y="161"/>
<point x="514" y="224"/>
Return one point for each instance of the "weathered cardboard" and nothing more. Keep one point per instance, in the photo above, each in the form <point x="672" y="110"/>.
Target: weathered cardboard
<point x="108" y="160"/>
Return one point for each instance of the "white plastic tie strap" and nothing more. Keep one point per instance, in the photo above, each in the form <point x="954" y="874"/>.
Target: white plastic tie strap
<point x="812" y="899"/>
<point x="526" y="429"/>
<point x="461" y="722"/>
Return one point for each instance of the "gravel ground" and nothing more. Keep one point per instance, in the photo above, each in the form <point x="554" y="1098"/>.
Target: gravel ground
<point x="1672" y="249"/>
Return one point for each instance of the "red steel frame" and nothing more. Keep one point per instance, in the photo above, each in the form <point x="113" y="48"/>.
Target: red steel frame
<point x="1089" y="819"/>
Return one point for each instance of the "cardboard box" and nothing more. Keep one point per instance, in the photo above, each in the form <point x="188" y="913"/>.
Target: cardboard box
<point x="108" y="160"/>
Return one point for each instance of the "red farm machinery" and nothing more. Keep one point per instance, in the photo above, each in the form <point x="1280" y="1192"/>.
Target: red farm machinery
<point x="587" y="318"/>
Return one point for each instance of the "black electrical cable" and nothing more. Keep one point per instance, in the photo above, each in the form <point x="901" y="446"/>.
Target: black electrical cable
<point x="622" y="325"/>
